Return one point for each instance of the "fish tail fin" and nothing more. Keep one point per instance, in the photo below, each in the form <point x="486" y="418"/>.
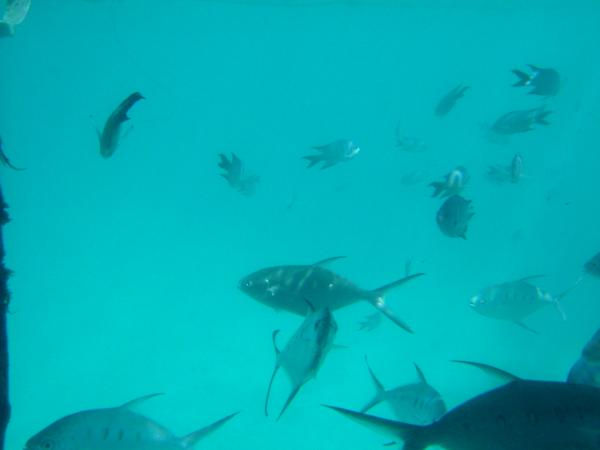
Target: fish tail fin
<point x="438" y="188"/>
<point x="192" y="439"/>
<point x="524" y="79"/>
<point x="379" y="390"/>
<point x="556" y="301"/>
<point x="312" y="160"/>
<point x="376" y="298"/>
<point x="414" y="436"/>
<point x="541" y="116"/>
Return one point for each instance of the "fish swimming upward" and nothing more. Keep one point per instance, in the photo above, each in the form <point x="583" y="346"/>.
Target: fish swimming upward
<point x="521" y="415"/>
<point x="109" y="138"/>
<point x="447" y="103"/>
<point x="287" y="287"/>
<point x="305" y="352"/>
<point x="117" y="428"/>
<point x="415" y="403"/>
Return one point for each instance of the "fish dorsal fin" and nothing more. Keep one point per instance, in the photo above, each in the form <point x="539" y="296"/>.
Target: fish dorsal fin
<point x="491" y="370"/>
<point x="274" y="339"/>
<point x="379" y="390"/>
<point x="327" y="260"/>
<point x="526" y="327"/>
<point x="420" y="373"/>
<point x="138" y="401"/>
<point x="376" y="381"/>
<point x="191" y="439"/>
<point x="531" y="277"/>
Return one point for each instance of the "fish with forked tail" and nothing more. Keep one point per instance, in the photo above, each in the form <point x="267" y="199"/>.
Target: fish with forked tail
<point x="333" y="153"/>
<point x="118" y="428"/>
<point x="453" y="183"/>
<point x="109" y="137"/>
<point x="521" y="121"/>
<point x="304" y="353"/>
<point x="545" y="82"/>
<point x="287" y="287"/>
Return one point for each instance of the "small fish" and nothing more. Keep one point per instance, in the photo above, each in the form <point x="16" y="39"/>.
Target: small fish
<point x="414" y="177"/>
<point x="592" y="267"/>
<point x="409" y="144"/>
<point x="4" y="159"/>
<point x="415" y="403"/>
<point x="333" y="153"/>
<point x="545" y="82"/>
<point x="586" y="369"/>
<point x="521" y="415"/>
<point x="453" y="183"/>
<point x="117" y="428"/>
<point x="454" y="215"/>
<point x="15" y="13"/>
<point x="304" y="353"/>
<point x="512" y="173"/>
<point x="287" y="287"/>
<point x="516" y="300"/>
<point x="234" y="174"/>
<point x="449" y="100"/>
<point x="520" y="121"/>
<point x="109" y="138"/>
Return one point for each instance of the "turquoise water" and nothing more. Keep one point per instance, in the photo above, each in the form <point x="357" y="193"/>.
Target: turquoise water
<point x="126" y="269"/>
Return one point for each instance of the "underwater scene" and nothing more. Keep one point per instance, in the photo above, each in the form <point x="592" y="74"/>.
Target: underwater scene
<point x="317" y="224"/>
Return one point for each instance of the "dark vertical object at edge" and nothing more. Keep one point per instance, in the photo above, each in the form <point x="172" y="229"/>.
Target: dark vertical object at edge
<point x="4" y="299"/>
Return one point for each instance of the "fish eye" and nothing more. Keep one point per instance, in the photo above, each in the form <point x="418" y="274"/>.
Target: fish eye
<point x="47" y="445"/>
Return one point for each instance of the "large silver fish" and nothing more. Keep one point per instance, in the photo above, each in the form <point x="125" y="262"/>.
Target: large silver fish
<point x="287" y="287"/>
<point x="109" y="137"/>
<point x="521" y="415"/>
<point x="118" y="428"/>
<point x="586" y="369"/>
<point x="304" y="353"/>
<point x="415" y="403"/>
<point x="515" y="300"/>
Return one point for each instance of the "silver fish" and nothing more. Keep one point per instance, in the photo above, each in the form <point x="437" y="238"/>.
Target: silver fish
<point x="109" y="137"/>
<point x="286" y="287"/>
<point x="586" y="369"/>
<point x="515" y="300"/>
<point x="446" y="104"/>
<point x="521" y="415"/>
<point x="333" y="153"/>
<point x="118" y="428"/>
<point x="545" y="82"/>
<point x="304" y="353"/>
<point x="415" y="403"/>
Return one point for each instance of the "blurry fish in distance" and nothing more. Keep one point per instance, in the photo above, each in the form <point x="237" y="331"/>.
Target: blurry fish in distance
<point x="235" y="176"/>
<point x="592" y="266"/>
<point x="109" y="137"/>
<point x="118" y="428"/>
<point x="452" y="184"/>
<point x="408" y="143"/>
<point x="449" y="100"/>
<point x="512" y="173"/>
<point x="333" y="153"/>
<point x="521" y="121"/>
<point x="413" y="177"/>
<point x="4" y="159"/>
<point x="416" y="403"/>
<point x="304" y="353"/>
<point x="545" y="82"/>
<point x="15" y="13"/>
<point x="286" y="287"/>
<point x="454" y="215"/>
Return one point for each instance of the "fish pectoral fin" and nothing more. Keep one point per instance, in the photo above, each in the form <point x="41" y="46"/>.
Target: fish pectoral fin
<point x="269" y="388"/>
<point x="420" y="374"/>
<point x="328" y="260"/>
<point x="139" y="400"/>
<point x="490" y="370"/>
<point x="531" y="277"/>
<point x="526" y="327"/>
<point x="191" y="439"/>
<point x="379" y="303"/>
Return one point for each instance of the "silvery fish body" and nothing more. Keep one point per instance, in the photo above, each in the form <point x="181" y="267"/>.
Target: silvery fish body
<point x="304" y="353"/>
<point x="333" y="153"/>
<point x="521" y="415"/>
<point x="587" y="368"/>
<point x="117" y="428"/>
<point x="415" y="403"/>
<point x="287" y="287"/>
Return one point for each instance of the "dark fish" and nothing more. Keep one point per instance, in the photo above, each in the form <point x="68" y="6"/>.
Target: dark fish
<point x="515" y="300"/>
<point x="109" y="138"/>
<point x="586" y="369"/>
<point x="4" y="159"/>
<point x="520" y="121"/>
<point x="454" y="215"/>
<point x="118" y="428"/>
<point x="507" y="174"/>
<point x="415" y="403"/>
<point x="234" y="174"/>
<point x="449" y="100"/>
<point x="593" y="265"/>
<point x="521" y="415"/>
<point x="453" y="183"/>
<point x="287" y="287"/>
<point x="305" y="352"/>
<point x="333" y="153"/>
<point x="545" y="82"/>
